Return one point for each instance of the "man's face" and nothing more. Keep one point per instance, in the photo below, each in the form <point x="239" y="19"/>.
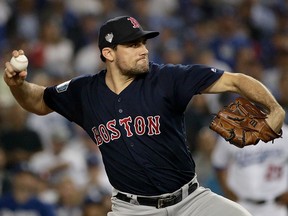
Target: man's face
<point x="132" y="58"/>
<point x="24" y="186"/>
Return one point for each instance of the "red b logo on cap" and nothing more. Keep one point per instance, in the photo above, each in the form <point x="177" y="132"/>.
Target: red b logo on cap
<point x="134" y="22"/>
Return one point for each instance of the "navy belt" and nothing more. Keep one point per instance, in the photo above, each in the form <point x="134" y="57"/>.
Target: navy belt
<point x="158" y="202"/>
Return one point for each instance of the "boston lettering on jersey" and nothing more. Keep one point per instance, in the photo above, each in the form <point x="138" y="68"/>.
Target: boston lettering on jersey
<point x="140" y="125"/>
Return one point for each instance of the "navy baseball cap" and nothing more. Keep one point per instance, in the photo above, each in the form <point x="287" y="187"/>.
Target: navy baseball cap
<point x="121" y="30"/>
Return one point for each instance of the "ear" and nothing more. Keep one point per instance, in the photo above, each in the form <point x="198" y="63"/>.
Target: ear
<point x="107" y="52"/>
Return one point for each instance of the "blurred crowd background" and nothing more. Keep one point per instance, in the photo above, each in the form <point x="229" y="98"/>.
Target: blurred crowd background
<point x="49" y="156"/>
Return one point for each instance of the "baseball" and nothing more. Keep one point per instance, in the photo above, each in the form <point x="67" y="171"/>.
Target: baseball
<point x="19" y="63"/>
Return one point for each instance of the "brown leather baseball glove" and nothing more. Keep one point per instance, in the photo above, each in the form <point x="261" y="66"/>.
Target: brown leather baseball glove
<point x="243" y="123"/>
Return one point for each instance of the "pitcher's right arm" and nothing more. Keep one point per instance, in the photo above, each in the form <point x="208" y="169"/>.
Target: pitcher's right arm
<point x="28" y="95"/>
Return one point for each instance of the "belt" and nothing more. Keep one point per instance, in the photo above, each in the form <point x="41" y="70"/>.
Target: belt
<point x="159" y="202"/>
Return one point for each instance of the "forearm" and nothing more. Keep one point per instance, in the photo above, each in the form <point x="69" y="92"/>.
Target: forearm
<point x="30" y="97"/>
<point x="257" y="92"/>
<point x="253" y="90"/>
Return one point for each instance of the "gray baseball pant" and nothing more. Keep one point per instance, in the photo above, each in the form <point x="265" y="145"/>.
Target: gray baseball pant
<point x="201" y="202"/>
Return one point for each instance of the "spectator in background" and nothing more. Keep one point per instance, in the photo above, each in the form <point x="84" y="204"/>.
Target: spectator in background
<point x="272" y="75"/>
<point x="85" y="147"/>
<point x="18" y="141"/>
<point x="67" y="19"/>
<point x="59" y="161"/>
<point x="283" y="89"/>
<point x="46" y="191"/>
<point x="206" y="140"/>
<point x="84" y="7"/>
<point x="95" y="189"/>
<point x="87" y="58"/>
<point x="163" y="8"/>
<point x="206" y="57"/>
<point x="45" y="125"/>
<point x="93" y="206"/>
<point x="247" y="62"/>
<point x="256" y="176"/>
<point x="53" y="52"/>
<point x="70" y="198"/>
<point x="259" y="17"/>
<point x="173" y="53"/>
<point x="270" y="47"/>
<point x="230" y="35"/>
<point x="194" y="12"/>
<point x="4" y="175"/>
<point x="197" y="39"/>
<point x="87" y="31"/>
<point x="96" y="204"/>
<point x="111" y="9"/>
<point x="197" y="116"/>
<point x="169" y="45"/>
<point x="23" y="198"/>
<point x="263" y="18"/>
<point x="6" y="99"/>
<point x="169" y="48"/>
<point x="24" y="24"/>
<point x="5" y="13"/>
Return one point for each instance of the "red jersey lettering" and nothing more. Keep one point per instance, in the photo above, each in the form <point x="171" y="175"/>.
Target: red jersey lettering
<point x="125" y="122"/>
<point x="97" y="136"/>
<point x="111" y="127"/>
<point x="139" y="125"/>
<point x="104" y="133"/>
<point x="153" y="125"/>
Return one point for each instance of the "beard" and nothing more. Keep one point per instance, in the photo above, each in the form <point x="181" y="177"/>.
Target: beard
<point x="134" y="71"/>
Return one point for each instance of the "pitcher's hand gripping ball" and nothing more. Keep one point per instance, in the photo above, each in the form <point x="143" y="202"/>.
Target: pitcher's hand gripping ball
<point x="243" y="123"/>
<point x="19" y="63"/>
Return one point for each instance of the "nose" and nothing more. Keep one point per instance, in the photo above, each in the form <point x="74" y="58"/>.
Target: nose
<point x="144" y="49"/>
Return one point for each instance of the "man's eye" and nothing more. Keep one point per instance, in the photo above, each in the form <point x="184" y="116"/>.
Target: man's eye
<point x="134" y="45"/>
<point x="137" y="44"/>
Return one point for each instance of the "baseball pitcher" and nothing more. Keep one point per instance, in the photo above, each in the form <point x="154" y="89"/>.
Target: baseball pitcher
<point x="133" y="110"/>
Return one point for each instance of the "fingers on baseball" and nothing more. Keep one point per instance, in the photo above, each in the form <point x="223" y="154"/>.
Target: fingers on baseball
<point x="9" y="70"/>
<point x="22" y="74"/>
<point x="16" y="53"/>
<point x="10" y="73"/>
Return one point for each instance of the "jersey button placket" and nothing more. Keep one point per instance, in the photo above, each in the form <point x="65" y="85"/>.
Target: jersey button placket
<point x="118" y="106"/>
<point x="120" y="110"/>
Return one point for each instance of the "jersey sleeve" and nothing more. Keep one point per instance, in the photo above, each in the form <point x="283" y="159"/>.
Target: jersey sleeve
<point x="65" y="98"/>
<point x="188" y="80"/>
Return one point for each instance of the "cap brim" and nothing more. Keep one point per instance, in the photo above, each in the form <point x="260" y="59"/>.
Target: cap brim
<point x="151" y="34"/>
<point x="145" y="34"/>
